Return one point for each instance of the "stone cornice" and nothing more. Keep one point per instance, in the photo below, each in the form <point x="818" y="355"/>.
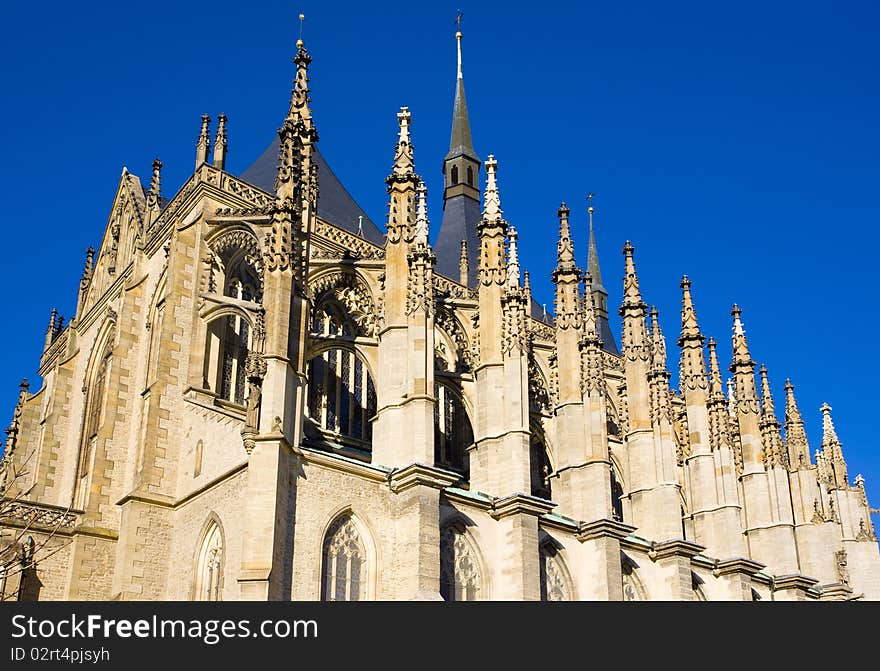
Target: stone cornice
<point x="520" y="504"/>
<point x="468" y="497"/>
<point x="603" y="528"/>
<point x="674" y="548"/>
<point x="344" y="464"/>
<point x="737" y="565"/>
<point x="796" y="581"/>
<point x="399" y="480"/>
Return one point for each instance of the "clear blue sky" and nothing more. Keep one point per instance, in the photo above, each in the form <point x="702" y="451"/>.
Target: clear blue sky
<point x="737" y="144"/>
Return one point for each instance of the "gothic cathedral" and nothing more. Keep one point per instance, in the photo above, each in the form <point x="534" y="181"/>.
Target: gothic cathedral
<point x="264" y="395"/>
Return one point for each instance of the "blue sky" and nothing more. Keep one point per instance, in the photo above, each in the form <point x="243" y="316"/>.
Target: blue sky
<point x="736" y="144"/>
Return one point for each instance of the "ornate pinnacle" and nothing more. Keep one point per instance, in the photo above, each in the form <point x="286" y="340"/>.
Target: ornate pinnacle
<point x="53" y="326"/>
<point x="716" y="384"/>
<point x="829" y="434"/>
<point x="220" y="143"/>
<point x="155" y="185"/>
<point x="491" y="199"/>
<point x="203" y="142"/>
<point x="591" y="332"/>
<point x="831" y="448"/>
<point x="795" y="436"/>
<point x="463" y="264"/>
<point x="564" y="248"/>
<point x="632" y="296"/>
<point x="768" y="409"/>
<point x="404" y="164"/>
<point x="87" y="268"/>
<point x="658" y="343"/>
<point x="527" y="284"/>
<point x="690" y="330"/>
<point x="421" y="227"/>
<point x="740" y="346"/>
<point x="299" y="99"/>
<point x="513" y="276"/>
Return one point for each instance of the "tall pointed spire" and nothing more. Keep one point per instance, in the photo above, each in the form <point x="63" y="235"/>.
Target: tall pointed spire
<point x="461" y="193"/>
<point x="746" y="404"/>
<point x="155" y="185"/>
<point x="493" y="230"/>
<point x="599" y="294"/>
<point x="460" y="143"/>
<point x="795" y="435"/>
<point x="491" y="200"/>
<point x="634" y="339"/>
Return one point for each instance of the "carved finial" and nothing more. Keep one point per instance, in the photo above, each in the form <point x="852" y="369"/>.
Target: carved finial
<point x="491" y="199"/>
<point x="740" y="346"/>
<point x="404" y="163"/>
<point x="204" y="141"/>
<point x="458" y="39"/>
<point x="564" y="247"/>
<point x="513" y="276"/>
<point x="421" y="227"/>
<point x="658" y="343"/>
<point x="632" y="295"/>
<point x="716" y="383"/>
<point x="155" y="185"/>
<point x="463" y="264"/>
<point x="690" y="329"/>
<point x="53" y="325"/>
<point x="299" y="42"/>
<point x="87" y="268"/>
<point x="831" y="448"/>
<point x="768" y="407"/>
<point x="795" y="436"/>
<point x="527" y="283"/>
<point x="220" y="143"/>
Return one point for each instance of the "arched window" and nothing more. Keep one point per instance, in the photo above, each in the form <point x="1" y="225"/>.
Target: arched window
<point x="342" y="397"/>
<point x="452" y="429"/>
<point x="633" y="590"/>
<point x="539" y="466"/>
<point x="470" y="176"/>
<point x="555" y="585"/>
<point x="226" y="349"/>
<point x="616" y="498"/>
<point x="454" y="175"/>
<point x="209" y="566"/>
<point x="696" y="585"/>
<point x="157" y="319"/>
<point x="460" y="578"/>
<point x="343" y="569"/>
<point x="94" y="419"/>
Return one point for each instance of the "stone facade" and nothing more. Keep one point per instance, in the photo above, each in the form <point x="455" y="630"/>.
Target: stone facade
<point x="255" y="400"/>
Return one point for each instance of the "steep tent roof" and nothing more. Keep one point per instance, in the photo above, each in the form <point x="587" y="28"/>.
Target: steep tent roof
<point x="335" y="203"/>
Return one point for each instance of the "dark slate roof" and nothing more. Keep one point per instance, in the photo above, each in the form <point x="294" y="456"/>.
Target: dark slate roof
<point x="461" y="215"/>
<point x="607" y="337"/>
<point x="335" y="203"/>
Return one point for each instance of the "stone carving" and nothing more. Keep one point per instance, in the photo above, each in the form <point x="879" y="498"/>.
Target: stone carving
<point x="350" y="292"/>
<point x="554" y="585"/>
<point x="444" y="319"/>
<point x="255" y="371"/>
<point x="840" y="565"/>
<point x="459" y="571"/>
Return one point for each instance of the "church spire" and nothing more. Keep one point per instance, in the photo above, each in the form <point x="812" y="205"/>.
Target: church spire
<point x="599" y="294"/>
<point x="795" y="436"/>
<point x="745" y="398"/>
<point x="460" y="142"/>
<point x="513" y="275"/>
<point x="461" y="193"/>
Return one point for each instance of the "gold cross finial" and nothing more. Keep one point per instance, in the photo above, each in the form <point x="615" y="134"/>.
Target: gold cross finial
<point x="590" y="206"/>
<point x="458" y="20"/>
<point x="299" y="42"/>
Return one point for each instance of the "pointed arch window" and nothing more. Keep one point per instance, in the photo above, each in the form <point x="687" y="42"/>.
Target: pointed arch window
<point x="94" y="419"/>
<point x="555" y="585"/>
<point x="470" y="175"/>
<point x="454" y="175"/>
<point x="616" y="498"/>
<point x="460" y="578"/>
<point x="341" y="397"/>
<point x="633" y="590"/>
<point x="209" y="566"/>
<point x="343" y="565"/>
<point x="539" y="466"/>
<point x="453" y="434"/>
